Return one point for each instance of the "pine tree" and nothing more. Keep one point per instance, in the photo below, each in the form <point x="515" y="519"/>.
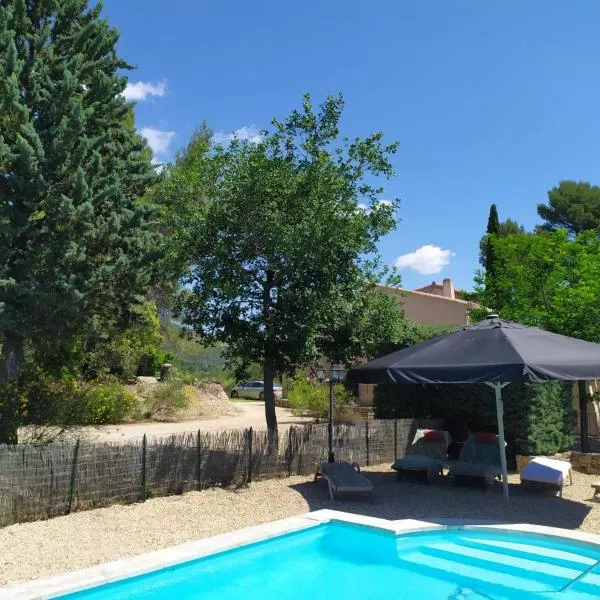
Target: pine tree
<point x="75" y="247"/>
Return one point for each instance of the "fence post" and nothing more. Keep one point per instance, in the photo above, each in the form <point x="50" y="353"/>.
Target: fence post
<point x="395" y="439"/>
<point x="290" y="450"/>
<point x="198" y="459"/>
<point x="73" y="476"/>
<point x="367" y="439"/>
<point x="143" y="491"/>
<point x="250" y="436"/>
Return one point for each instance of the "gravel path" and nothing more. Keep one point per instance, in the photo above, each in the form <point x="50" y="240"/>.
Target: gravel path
<point x="251" y="414"/>
<point x="43" y="548"/>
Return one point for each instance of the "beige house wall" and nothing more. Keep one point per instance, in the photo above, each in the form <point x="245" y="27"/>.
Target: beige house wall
<point x="426" y="308"/>
<point x="432" y="309"/>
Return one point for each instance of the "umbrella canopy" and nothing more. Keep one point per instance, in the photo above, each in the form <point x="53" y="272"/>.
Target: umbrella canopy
<point x="493" y="350"/>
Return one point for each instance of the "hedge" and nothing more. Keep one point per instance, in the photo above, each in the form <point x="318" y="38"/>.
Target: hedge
<point x="538" y="418"/>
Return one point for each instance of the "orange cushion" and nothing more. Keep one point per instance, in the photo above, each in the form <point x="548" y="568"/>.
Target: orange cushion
<point x="483" y="437"/>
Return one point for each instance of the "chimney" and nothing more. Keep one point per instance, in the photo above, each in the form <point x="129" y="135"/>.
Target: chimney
<point x="447" y="288"/>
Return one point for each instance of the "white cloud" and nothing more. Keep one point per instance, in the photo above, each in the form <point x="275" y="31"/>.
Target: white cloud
<point x="385" y="202"/>
<point x="250" y="133"/>
<point x="427" y="259"/>
<point x="159" y="141"/>
<point x="142" y="90"/>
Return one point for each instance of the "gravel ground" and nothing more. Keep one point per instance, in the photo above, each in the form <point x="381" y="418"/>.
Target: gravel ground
<point x="248" y="414"/>
<point x="33" y="550"/>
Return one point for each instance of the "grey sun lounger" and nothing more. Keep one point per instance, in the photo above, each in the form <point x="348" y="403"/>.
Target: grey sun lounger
<point x="344" y="478"/>
<point x="479" y="458"/>
<point x="426" y="454"/>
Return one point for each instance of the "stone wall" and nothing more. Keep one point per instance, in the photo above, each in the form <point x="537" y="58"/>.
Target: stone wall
<point x="588" y="463"/>
<point x="585" y="463"/>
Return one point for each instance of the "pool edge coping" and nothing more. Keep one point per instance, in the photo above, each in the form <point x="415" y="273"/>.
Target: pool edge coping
<point x="52" y="587"/>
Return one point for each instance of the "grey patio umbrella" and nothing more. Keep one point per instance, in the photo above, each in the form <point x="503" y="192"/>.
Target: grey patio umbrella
<point x="494" y="352"/>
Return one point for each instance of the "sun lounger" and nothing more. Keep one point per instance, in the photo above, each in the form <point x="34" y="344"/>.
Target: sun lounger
<point x="547" y="472"/>
<point x="427" y="453"/>
<point x="479" y="459"/>
<point x="344" y="478"/>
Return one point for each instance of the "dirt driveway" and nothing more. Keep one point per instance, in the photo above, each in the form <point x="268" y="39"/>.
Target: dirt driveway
<point x="252" y="414"/>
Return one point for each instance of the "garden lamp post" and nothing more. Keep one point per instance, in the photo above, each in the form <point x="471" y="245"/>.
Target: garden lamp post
<point x="334" y="375"/>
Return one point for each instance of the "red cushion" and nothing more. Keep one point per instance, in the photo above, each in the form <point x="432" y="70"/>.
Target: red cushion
<point x="433" y="435"/>
<point x="483" y="437"/>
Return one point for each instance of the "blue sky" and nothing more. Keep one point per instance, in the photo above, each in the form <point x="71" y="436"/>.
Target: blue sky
<point x="491" y="101"/>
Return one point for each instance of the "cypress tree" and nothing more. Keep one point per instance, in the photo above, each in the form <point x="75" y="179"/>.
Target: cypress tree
<point x="493" y="227"/>
<point x="75" y="246"/>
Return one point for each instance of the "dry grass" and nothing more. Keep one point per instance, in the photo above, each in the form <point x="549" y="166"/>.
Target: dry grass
<point x="87" y="538"/>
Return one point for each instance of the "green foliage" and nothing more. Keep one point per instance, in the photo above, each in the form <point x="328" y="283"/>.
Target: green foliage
<point x="77" y="249"/>
<point x="493" y="226"/>
<point x="551" y="281"/>
<point x="189" y="355"/>
<point x="12" y="407"/>
<point x="54" y="401"/>
<point x="164" y="399"/>
<point x="311" y="397"/>
<point x="487" y="257"/>
<point x="363" y="323"/>
<point x="135" y="350"/>
<point x="109" y="403"/>
<point x="573" y="205"/>
<point x="504" y="229"/>
<point x="410" y="334"/>
<point x="538" y="418"/>
<point x="181" y="198"/>
<point x="152" y="361"/>
<point x="65" y="402"/>
<point x="284" y="238"/>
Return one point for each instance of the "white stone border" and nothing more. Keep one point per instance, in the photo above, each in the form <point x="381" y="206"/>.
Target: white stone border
<point x="54" y="587"/>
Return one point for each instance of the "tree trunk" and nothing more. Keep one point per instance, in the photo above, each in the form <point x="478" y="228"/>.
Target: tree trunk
<point x="269" y="362"/>
<point x="583" y="416"/>
<point x="10" y="366"/>
<point x="270" y="415"/>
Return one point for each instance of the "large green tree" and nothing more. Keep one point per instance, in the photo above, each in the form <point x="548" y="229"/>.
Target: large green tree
<point x="362" y="323"/>
<point x="487" y="257"/>
<point x="551" y="281"/>
<point x="292" y="226"/>
<point x="503" y="229"/>
<point x="572" y="205"/>
<point x="181" y="198"/>
<point x="75" y="245"/>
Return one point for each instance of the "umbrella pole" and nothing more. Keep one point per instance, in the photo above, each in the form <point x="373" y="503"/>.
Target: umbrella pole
<point x="500" y="416"/>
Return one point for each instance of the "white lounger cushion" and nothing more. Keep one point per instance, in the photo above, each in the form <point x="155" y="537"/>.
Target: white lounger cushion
<point x="546" y="470"/>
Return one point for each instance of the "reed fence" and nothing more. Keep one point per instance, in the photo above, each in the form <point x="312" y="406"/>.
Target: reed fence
<point x="39" y="482"/>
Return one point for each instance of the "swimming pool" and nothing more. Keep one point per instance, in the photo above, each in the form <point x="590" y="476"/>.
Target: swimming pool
<point x="328" y="556"/>
<point x="351" y="562"/>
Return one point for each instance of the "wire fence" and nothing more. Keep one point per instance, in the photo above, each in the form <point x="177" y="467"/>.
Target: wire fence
<point x="39" y="482"/>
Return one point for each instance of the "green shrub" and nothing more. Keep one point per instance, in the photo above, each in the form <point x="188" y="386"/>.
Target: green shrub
<point x="152" y="361"/>
<point x="55" y="401"/>
<point x="305" y="396"/>
<point x="538" y="418"/>
<point x="164" y="399"/>
<point x="110" y="403"/>
<point x="66" y="402"/>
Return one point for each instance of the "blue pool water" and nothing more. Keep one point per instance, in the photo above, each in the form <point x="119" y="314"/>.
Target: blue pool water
<point x="349" y="562"/>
